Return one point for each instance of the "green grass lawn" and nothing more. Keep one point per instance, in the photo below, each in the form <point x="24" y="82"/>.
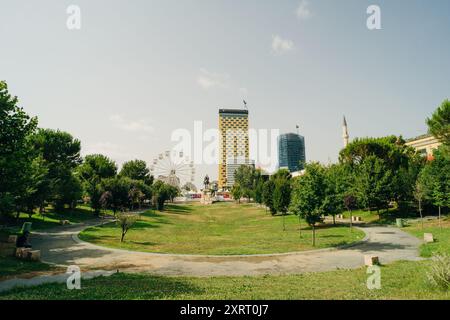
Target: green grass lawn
<point x="50" y="219"/>
<point x="220" y="229"/>
<point x="441" y="236"/>
<point x="10" y="266"/>
<point x="401" y="280"/>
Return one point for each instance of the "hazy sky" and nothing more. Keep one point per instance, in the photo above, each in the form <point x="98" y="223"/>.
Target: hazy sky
<point x="137" y="70"/>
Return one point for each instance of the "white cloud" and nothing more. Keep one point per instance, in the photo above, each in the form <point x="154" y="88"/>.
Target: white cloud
<point x="280" y="45"/>
<point x="208" y="80"/>
<point x="303" y="11"/>
<point x="142" y="126"/>
<point x="108" y="149"/>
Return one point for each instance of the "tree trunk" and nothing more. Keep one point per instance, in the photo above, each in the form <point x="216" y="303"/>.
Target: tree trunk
<point x="284" y="223"/>
<point x="334" y="219"/>
<point x="420" y="212"/>
<point x="123" y="236"/>
<point x="314" y="235"/>
<point x="300" y="225"/>
<point x="440" y="224"/>
<point x="351" y="220"/>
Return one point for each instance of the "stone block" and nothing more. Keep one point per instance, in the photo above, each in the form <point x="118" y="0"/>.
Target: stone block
<point x="371" y="260"/>
<point x="64" y="222"/>
<point x="22" y="253"/>
<point x="34" y="255"/>
<point x="12" y="239"/>
<point x="428" y="238"/>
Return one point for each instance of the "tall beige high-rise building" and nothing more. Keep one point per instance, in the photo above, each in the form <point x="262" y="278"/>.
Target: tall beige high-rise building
<point x="234" y="144"/>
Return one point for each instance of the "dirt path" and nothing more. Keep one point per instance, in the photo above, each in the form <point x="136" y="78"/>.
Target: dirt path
<point x="62" y="247"/>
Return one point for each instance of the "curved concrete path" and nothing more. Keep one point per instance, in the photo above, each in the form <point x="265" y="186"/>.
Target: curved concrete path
<point x="62" y="247"/>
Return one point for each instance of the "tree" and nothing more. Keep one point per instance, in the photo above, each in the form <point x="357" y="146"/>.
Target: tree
<point x="259" y="189"/>
<point x="115" y="193"/>
<point x="136" y="197"/>
<point x="282" y="193"/>
<point x="373" y="183"/>
<point x="338" y="182"/>
<point x="308" y="196"/>
<point x="94" y="169"/>
<point x="126" y="221"/>
<point x="15" y="150"/>
<point x="67" y="191"/>
<point x="419" y="196"/>
<point x="435" y="179"/>
<point x="245" y="176"/>
<point x="268" y="189"/>
<point x="107" y="200"/>
<point x="137" y="170"/>
<point x="350" y="204"/>
<point x="236" y="192"/>
<point x="61" y="154"/>
<point x="439" y="123"/>
<point x="161" y="193"/>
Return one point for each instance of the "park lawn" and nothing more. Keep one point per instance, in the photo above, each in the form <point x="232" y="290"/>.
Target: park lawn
<point x="441" y="236"/>
<point x="220" y="229"/>
<point x="51" y="218"/>
<point x="384" y="217"/>
<point x="401" y="280"/>
<point x="11" y="266"/>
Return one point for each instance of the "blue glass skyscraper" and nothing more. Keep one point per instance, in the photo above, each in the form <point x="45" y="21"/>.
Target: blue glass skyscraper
<point x="291" y="152"/>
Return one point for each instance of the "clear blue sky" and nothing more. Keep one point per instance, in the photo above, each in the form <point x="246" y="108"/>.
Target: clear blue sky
<point x="137" y="70"/>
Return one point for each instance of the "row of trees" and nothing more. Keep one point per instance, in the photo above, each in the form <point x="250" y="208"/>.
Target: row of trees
<point x="39" y="167"/>
<point x="372" y="174"/>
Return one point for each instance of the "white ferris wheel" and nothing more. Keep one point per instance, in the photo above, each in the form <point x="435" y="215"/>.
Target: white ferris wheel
<point x="174" y="168"/>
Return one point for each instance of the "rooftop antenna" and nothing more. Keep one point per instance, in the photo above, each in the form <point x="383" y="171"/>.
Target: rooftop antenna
<point x="245" y="104"/>
<point x="297" y="127"/>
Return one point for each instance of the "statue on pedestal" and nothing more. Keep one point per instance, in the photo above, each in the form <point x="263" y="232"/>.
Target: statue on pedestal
<point x="206" y="199"/>
<point x="206" y="182"/>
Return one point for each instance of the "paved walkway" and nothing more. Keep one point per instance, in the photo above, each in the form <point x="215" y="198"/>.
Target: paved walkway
<point x="62" y="247"/>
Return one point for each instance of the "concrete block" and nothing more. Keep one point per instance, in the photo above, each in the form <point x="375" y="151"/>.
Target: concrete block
<point x="12" y="239"/>
<point x="22" y="253"/>
<point x="371" y="260"/>
<point x="428" y="238"/>
<point x="34" y="255"/>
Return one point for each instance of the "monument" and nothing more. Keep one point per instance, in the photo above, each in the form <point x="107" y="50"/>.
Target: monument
<point x="207" y="194"/>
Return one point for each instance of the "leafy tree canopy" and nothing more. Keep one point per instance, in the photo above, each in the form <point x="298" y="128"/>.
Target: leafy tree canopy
<point x="439" y="123"/>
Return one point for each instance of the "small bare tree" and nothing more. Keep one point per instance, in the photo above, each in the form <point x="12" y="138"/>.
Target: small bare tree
<point x="126" y="221"/>
<point x="419" y="195"/>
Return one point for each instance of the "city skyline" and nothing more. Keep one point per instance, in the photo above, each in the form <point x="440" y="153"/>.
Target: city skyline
<point x="134" y="74"/>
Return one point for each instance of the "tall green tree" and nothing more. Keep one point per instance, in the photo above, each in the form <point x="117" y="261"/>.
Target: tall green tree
<point x="61" y="155"/>
<point x="268" y="189"/>
<point x="282" y="193"/>
<point x="137" y="170"/>
<point x="373" y="184"/>
<point x="308" y="196"/>
<point x="94" y="169"/>
<point x="236" y="192"/>
<point x="338" y="183"/>
<point x="245" y="176"/>
<point x="439" y="123"/>
<point x="15" y="151"/>
<point x="435" y="179"/>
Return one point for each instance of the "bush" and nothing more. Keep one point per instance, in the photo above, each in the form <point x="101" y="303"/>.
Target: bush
<point x="439" y="273"/>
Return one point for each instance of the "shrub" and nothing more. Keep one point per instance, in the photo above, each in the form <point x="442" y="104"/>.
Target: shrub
<point x="439" y="273"/>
